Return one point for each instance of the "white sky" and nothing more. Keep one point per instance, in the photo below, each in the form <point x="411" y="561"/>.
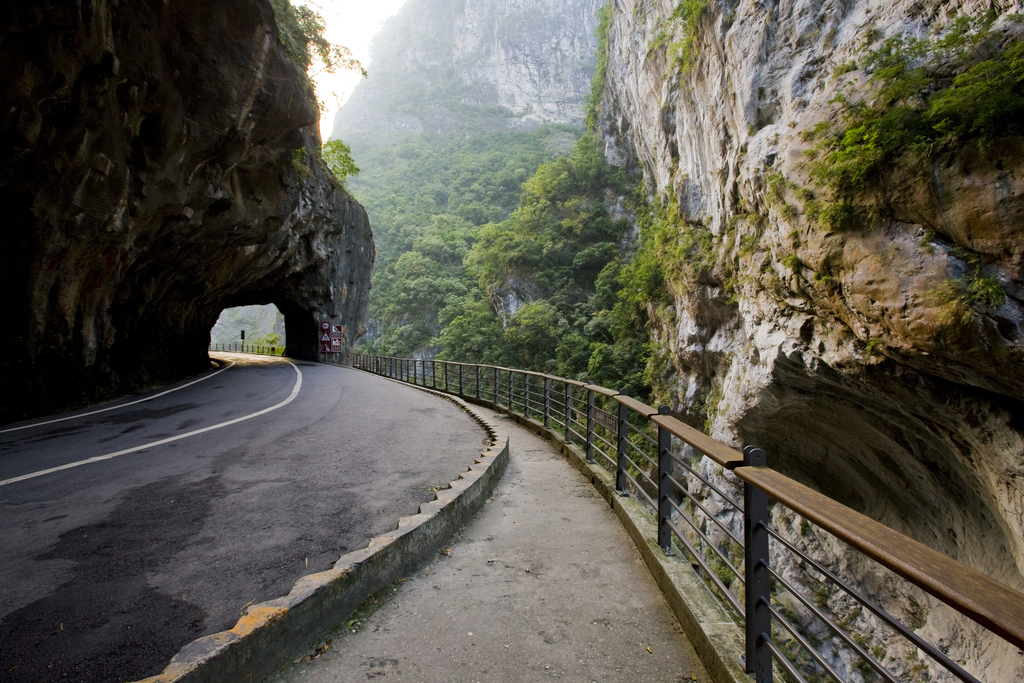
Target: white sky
<point x="351" y="23"/>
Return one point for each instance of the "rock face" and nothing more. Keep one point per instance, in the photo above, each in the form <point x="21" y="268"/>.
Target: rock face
<point x="155" y="172"/>
<point x="832" y="350"/>
<point x="533" y="58"/>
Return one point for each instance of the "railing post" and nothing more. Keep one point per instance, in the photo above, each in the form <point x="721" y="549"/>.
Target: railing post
<point x="664" y="484"/>
<point x="547" y="403"/>
<point x="444" y="364"/>
<point x="479" y="374"/>
<point x="495" y="386"/>
<point x="590" y="425"/>
<point x="755" y="561"/>
<point x="510" y="390"/>
<point x="526" y="395"/>
<point x="462" y="389"/>
<point x="623" y="443"/>
<point x="568" y="412"/>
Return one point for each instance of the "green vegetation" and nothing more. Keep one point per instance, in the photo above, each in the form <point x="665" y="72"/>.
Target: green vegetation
<point x="683" y="21"/>
<point x="931" y="96"/>
<point x="538" y="290"/>
<point x="301" y="32"/>
<point x="338" y="157"/>
<point x="686" y="16"/>
<point x="597" y="85"/>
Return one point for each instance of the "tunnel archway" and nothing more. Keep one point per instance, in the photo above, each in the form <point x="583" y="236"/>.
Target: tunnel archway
<point x="300" y="326"/>
<point x="263" y="325"/>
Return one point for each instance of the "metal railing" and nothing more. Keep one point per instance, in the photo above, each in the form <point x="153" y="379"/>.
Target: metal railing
<point x="248" y="348"/>
<point x="797" y="613"/>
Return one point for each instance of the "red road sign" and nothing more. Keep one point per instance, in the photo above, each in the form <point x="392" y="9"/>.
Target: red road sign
<point x="335" y="332"/>
<point x="336" y="345"/>
<point x="325" y="338"/>
<point x="326" y="348"/>
<point x="325" y="326"/>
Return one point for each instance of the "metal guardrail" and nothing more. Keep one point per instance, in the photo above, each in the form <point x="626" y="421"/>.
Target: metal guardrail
<point x="249" y="348"/>
<point x="785" y="611"/>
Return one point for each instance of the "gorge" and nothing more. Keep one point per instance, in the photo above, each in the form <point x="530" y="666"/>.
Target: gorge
<point x="720" y="241"/>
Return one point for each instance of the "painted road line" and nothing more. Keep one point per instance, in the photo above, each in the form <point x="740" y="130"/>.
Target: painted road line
<point x="152" y="444"/>
<point x="122" y="405"/>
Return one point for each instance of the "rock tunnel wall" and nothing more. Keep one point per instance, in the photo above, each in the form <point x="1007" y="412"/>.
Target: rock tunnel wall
<point x="155" y="171"/>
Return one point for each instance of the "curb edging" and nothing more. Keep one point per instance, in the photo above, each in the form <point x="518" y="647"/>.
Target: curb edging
<point x="271" y="633"/>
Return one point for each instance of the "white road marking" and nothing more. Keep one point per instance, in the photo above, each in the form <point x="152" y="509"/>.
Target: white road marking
<point x="121" y="405"/>
<point x="108" y="456"/>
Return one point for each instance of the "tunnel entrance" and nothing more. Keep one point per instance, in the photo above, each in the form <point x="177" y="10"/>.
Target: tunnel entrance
<point x="281" y="323"/>
<point x="263" y="325"/>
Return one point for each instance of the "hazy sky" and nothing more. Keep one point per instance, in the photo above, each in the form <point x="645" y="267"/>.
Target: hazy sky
<point x="351" y="23"/>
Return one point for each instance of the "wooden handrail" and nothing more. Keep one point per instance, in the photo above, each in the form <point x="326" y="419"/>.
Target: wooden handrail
<point x="635" y="405"/>
<point x="728" y="458"/>
<point x="598" y="389"/>
<point x="991" y="604"/>
<point x="997" y="607"/>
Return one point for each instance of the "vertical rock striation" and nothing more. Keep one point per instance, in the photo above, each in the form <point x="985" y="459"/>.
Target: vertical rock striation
<point x="833" y="349"/>
<point x="513" y="63"/>
<point x="155" y="173"/>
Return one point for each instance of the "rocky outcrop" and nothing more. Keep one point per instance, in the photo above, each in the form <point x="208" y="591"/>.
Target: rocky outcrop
<point x="155" y="172"/>
<point x="841" y="352"/>
<point x="527" y="61"/>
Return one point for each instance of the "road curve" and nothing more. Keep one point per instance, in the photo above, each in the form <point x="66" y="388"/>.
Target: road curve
<point x="140" y="525"/>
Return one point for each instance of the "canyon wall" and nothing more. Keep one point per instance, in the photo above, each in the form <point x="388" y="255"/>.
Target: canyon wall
<point x="440" y="66"/>
<point x="157" y="169"/>
<point x="841" y="352"/>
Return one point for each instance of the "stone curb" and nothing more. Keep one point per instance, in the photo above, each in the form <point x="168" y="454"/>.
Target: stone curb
<point x="714" y="634"/>
<point x="271" y="634"/>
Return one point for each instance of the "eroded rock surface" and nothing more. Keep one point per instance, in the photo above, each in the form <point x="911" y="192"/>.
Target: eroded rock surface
<point x="835" y="350"/>
<point x="530" y="61"/>
<point x="151" y="179"/>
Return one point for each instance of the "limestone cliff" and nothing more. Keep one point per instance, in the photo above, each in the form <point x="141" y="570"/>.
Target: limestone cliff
<point x="156" y="171"/>
<point x="527" y="61"/>
<point x="834" y="349"/>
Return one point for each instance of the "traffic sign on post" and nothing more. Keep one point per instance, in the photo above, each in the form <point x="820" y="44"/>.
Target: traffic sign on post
<point x="325" y="348"/>
<point x="325" y="326"/>
<point x="336" y="345"/>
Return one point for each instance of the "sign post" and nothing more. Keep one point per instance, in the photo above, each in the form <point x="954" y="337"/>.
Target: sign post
<point x="325" y="337"/>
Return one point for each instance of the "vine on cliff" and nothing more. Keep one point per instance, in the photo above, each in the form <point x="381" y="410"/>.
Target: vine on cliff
<point x="931" y="96"/>
<point x="597" y="84"/>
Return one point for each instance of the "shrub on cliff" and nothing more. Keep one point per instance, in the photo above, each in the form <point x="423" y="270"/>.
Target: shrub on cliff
<point x="930" y="96"/>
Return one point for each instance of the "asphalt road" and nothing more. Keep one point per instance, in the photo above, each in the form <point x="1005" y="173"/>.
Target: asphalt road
<point x="108" y="568"/>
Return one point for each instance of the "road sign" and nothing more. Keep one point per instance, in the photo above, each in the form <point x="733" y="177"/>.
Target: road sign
<point x="335" y="332"/>
<point x="325" y="338"/>
<point x="336" y="345"/>
<point x="325" y="326"/>
<point x="325" y="348"/>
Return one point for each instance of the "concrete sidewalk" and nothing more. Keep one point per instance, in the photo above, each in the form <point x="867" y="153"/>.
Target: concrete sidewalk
<point x="544" y="583"/>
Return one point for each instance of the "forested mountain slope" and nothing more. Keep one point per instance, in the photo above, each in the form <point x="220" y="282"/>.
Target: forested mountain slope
<point x="464" y="103"/>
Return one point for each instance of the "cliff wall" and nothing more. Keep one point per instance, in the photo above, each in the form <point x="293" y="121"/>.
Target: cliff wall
<point x="851" y="355"/>
<point x="444" y="65"/>
<point x="156" y="170"/>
